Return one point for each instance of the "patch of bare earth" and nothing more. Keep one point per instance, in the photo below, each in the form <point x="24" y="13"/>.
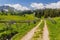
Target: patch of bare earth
<point x="37" y="35"/>
<point x="30" y="34"/>
<point x="45" y="32"/>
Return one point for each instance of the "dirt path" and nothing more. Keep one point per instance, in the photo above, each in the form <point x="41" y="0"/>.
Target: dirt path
<point x="45" y="32"/>
<point x="37" y="35"/>
<point x="30" y="34"/>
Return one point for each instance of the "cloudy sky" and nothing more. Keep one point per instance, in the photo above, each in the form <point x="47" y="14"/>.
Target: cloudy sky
<point x="31" y="4"/>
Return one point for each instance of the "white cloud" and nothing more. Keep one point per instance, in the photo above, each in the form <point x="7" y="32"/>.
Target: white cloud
<point x="53" y="5"/>
<point x="37" y="5"/>
<point x="42" y="6"/>
<point x="18" y="7"/>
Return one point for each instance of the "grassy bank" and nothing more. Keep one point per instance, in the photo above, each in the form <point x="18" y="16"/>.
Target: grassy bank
<point x="54" y="28"/>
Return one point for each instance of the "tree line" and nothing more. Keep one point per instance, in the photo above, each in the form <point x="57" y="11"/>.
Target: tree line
<point x="38" y="13"/>
<point x="47" y="13"/>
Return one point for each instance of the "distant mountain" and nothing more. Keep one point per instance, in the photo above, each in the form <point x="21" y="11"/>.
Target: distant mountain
<point x="11" y="9"/>
<point x="6" y="8"/>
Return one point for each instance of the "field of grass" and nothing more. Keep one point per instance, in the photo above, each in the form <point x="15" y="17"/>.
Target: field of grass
<point x="18" y="18"/>
<point x="54" y="28"/>
<point x="16" y="30"/>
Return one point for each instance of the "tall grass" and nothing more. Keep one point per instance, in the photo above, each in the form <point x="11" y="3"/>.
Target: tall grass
<point x="54" y="29"/>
